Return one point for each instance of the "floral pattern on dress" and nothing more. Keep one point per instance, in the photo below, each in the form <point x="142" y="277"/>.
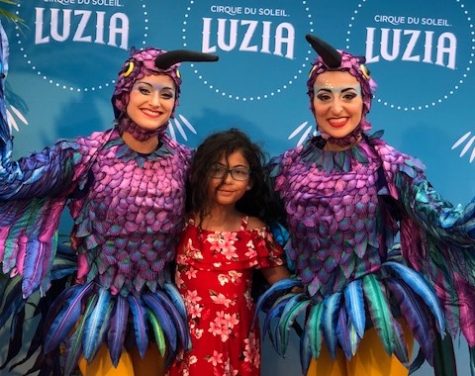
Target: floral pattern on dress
<point x="214" y="276"/>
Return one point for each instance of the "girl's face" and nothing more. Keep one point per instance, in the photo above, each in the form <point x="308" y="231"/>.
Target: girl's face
<point x="151" y="101"/>
<point x="337" y="103"/>
<point x="229" y="179"/>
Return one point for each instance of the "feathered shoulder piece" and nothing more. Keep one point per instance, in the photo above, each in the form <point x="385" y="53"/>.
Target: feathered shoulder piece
<point x="31" y="205"/>
<point x="437" y="237"/>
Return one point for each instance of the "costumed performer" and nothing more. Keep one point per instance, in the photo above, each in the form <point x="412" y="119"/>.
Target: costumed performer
<point x="348" y="199"/>
<point x="125" y="188"/>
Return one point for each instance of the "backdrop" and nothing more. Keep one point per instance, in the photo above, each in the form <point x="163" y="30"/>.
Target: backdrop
<point x="65" y="58"/>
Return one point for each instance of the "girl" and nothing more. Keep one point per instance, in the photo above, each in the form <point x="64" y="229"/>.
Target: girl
<point x="126" y="191"/>
<point x="223" y="242"/>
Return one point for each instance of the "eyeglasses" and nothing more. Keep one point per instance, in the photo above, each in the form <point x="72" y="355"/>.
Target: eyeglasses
<point x="219" y="171"/>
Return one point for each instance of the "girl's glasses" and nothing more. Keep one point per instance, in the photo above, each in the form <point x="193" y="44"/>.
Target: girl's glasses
<point x="219" y="171"/>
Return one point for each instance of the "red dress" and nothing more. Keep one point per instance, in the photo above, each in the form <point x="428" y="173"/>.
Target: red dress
<point x="214" y="276"/>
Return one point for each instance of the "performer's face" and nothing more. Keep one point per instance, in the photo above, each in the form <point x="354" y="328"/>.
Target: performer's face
<point x="337" y="103"/>
<point x="229" y="179"/>
<point x="151" y="101"/>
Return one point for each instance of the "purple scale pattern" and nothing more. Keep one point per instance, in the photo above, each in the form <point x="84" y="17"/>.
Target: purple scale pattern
<point x="332" y="217"/>
<point x="134" y="211"/>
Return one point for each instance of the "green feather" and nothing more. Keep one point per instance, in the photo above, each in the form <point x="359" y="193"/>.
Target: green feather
<point x="354" y="338"/>
<point x="11" y="242"/>
<point x="290" y="306"/>
<point x="288" y="319"/>
<point x="313" y="325"/>
<point x="379" y="311"/>
<point x="359" y="155"/>
<point x="76" y="339"/>
<point x="158" y="332"/>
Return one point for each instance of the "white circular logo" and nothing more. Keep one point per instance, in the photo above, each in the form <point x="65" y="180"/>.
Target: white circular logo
<point x="86" y="36"/>
<point x="423" y="53"/>
<point x="262" y="50"/>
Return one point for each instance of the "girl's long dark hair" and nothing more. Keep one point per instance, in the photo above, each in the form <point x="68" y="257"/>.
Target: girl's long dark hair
<point x="256" y="201"/>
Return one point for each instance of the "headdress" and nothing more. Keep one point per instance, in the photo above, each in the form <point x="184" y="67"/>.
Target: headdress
<point x="151" y="61"/>
<point x="331" y="59"/>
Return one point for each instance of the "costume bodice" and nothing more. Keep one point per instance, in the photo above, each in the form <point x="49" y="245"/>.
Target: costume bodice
<point x="333" y="214"/>
<point x="133" y="214"/>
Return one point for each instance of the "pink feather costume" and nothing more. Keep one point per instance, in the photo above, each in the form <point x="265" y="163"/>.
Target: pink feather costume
<point x="346" y="213"/>
<point x="128" y="211"/>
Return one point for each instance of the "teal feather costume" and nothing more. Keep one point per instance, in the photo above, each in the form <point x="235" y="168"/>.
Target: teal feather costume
<point x="371" y="242"/>
<point x="127" y="209"/>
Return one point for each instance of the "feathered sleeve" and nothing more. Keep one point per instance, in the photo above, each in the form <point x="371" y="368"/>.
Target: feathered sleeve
<point x="48" y="173"/>
<point x="438" y="239"/>
<point x="452" y="224"/>
<point x="33" y="192"/>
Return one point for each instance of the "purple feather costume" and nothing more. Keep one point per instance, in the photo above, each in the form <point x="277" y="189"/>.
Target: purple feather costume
<point x="128" y="211"/>
<point x="371" y="241"/>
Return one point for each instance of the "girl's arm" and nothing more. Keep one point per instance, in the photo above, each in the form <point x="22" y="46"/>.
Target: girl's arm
<point x="275" y="273"/>
<point x="275" y="269"/>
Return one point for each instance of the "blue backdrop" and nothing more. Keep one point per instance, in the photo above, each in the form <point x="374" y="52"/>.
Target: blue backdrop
<point x="66" y="56"/>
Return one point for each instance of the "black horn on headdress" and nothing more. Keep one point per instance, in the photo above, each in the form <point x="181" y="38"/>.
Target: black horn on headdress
<point x="170" y="58"/>
<point x="330" y="56"/>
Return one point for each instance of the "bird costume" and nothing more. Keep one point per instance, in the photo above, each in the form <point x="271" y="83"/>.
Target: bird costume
<point x="373" y="244"/>
<point x="127" y="210"/>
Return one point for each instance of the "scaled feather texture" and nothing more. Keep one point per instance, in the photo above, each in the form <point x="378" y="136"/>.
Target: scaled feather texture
<point x="127" y="210"/>
<point x="345" y="213"/>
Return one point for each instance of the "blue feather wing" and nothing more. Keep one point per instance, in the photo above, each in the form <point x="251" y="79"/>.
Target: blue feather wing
<point x="176" y="298"/>
<point x="74" y="347"/>
<point x="354" y="303"/>
<point x="67" y="317"/>
<point x="163" y="317"/>
<point x="95" y="324"/>
<point x="331" y="306"/>
<point x="292" y="309"/>
<point x="33" y="193"/>
<point x="419" y="285"/>
<point x="305" y="352"/>
<point x="28" y="239"/>
<point x="138" y="319"/>
<point x="274" y="312"/>
<point x="4" y="52"/>
<point x="343" y="333"/>
<point x="379" y="310"/>
<point x="181" y="324"/>
<point x="416" y="316"/>
<point x="277" y="289"/>
<point x="117" y="329"/>
<point x="313" y="328"/>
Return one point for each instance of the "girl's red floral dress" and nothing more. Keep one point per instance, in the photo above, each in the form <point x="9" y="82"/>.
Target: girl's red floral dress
<point x="214" y="276"/>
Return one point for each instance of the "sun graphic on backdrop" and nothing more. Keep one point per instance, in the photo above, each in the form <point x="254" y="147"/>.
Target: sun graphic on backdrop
<point x="303" y="131"/>
<point x="468" y="143"/>
<point x="14" y="116"/>
<point x="179" y="125"/>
